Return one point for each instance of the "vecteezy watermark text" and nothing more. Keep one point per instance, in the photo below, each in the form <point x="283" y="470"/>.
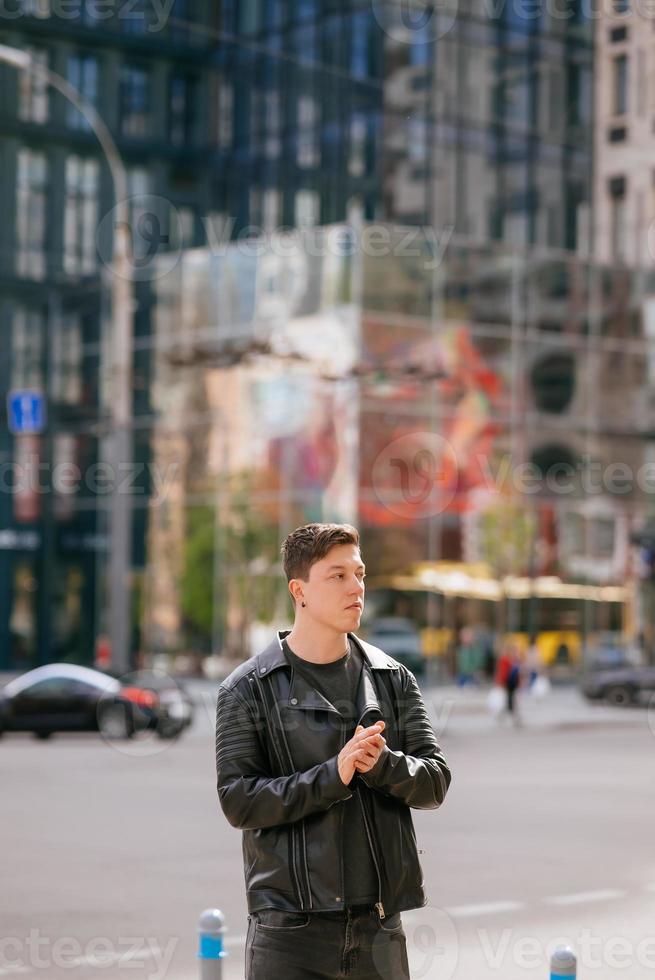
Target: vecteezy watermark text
<point x="30" y="475"/>
<point x="22" y="954"/>
<point x="416" y="475"/>
<point x="153" y="14"/>
<point x="156" y="243"/>
<point x="418" y="22"/>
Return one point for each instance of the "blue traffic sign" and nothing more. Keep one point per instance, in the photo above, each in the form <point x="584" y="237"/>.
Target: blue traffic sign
<point x="26" y="412"/>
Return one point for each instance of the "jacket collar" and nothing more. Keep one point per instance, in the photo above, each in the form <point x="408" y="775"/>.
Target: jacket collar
<point x="273" y="656"/>
<point x="306" y="696"/>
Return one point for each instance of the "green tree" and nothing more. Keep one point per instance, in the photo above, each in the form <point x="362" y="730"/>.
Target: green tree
<point x="197" y="588"/>
<point x="249" y="585"/>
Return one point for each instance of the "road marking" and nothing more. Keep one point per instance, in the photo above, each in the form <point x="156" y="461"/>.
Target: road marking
<point x="484" y="908"/>
<point x="577" y="898"/>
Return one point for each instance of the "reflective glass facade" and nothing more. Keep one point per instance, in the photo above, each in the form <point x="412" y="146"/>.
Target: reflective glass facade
<point x="486" y="406"/>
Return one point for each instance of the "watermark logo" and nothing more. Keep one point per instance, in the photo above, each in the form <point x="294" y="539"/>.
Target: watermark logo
<point x="143" y="713"/>
<point x="432" y="945"/>
<point x="154" y="237"/>
<point x="416" y="475"/>
<point x="415" y="21"/>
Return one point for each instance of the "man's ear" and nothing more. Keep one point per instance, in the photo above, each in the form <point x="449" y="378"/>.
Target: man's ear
<point x="295" y="591"/>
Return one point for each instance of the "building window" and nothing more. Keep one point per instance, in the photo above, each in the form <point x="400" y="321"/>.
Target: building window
<point x="306" y="9"/>
<point x="579" y="89"/>
<point x="307" y="133"/>
<point x="417" y="138"/>
<point x="618" y="34"/>
<point x="180" y="21"/>
<point x="617" y="190"/>
<point x="225" y="121"/>
<point x="31" y="191"/>
<point x="357" y="158"/>
<point x="33" y="89"/>
<point x="420" y="52"/>
<point x="145" y="235"/>
<point x="553" y="382"/>
<point x="270" y="210"/>
<point x="137" y="17"/>
<point x="182" y="107"/>
<point x="249" y="16"/>
<point x="185" y="226"/>
<point x="36" y="8"/>
<point x="27" y="336"/>
<point x="83" y="75"/>
<point x="66" y="377"/>
<point x="81" y="215"/>
<point x="307" y="209"/>
<point x="359" y="39"/>
<point x="620" y="85"/>
<point x="135" y="101"/>
<point x="272" y="124"/>
<point x="254" y="212"/>
<point x="617" y="134"/>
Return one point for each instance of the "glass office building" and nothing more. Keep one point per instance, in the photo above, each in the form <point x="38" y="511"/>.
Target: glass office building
<point x="151" y="84"/>
<point x="234" y="118"/>
<point x="486" y="409"/>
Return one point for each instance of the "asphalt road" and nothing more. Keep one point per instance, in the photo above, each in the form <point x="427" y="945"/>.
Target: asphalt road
<point x="109" y="853"/>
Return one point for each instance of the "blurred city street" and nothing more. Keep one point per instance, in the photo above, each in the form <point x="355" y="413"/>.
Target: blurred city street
<point x="337" y="319"/>
<point x="547" y="833"/>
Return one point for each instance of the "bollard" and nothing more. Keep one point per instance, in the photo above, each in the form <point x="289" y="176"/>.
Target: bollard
<point x="211" y="927"/>
<point x="563" y="964"/>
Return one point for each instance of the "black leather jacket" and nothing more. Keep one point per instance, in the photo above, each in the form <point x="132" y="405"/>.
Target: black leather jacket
<point x="277" y="742"/>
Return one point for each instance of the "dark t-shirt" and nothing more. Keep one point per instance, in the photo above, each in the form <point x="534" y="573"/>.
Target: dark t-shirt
<point x="338" y="682"/>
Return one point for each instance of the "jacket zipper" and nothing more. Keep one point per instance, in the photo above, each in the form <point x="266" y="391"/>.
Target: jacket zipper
<point x="342" y="882"/>
<point x="378" y="905"/>
<point x="293" y="829"/>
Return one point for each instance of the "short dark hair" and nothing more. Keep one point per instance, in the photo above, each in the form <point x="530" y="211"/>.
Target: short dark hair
<point x="308" y="544"/>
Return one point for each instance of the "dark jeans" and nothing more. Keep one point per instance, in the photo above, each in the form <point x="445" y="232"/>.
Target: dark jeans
<point x="325" y="946"/>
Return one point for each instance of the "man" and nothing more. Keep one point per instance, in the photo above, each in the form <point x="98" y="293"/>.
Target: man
<point x="322" y="796"/>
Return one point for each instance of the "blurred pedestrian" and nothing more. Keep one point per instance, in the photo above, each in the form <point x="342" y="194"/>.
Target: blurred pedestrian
<point x="509" y="673"/>
<point x="532" y="661"/>
<point x="468" y="658"/>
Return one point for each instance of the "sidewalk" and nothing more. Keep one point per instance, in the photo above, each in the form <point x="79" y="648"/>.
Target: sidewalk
<point x="453" y="708"/>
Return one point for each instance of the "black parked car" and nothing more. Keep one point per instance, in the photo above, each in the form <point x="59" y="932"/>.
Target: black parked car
<point x="617" y="679"/>
<point x="70" y="698"/>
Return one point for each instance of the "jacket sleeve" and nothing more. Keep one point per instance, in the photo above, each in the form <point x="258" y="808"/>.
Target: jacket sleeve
<point x="419" y="775"/>
<point x="250" y="798"/>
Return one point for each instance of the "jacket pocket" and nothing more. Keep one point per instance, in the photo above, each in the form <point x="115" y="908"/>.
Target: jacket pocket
<point x="391" y="923"/>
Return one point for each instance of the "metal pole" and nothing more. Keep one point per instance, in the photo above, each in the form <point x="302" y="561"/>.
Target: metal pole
<point x="121" y="368"/>
<point x="211" y="927"/>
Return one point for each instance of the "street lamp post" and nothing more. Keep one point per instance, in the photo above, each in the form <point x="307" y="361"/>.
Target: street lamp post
<point x="122" y="311"/>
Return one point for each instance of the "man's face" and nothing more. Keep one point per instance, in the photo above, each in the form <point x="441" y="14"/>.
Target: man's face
<point x="334" y="594"/>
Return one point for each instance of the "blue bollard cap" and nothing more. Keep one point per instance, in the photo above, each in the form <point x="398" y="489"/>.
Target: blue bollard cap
<point x="211" y="926"/>
<point x="563" y="964"/>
